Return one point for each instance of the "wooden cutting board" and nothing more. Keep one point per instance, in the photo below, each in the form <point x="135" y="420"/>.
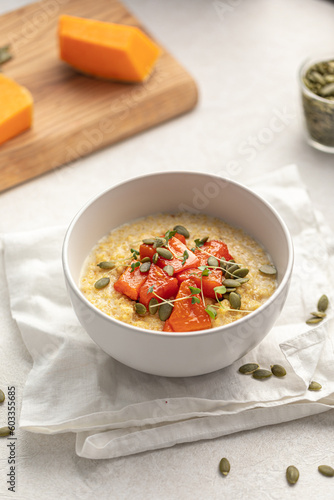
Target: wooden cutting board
<point x="75" y="114"/>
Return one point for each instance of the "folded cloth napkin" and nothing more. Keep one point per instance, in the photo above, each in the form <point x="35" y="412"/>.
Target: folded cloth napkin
<point x="115" y="410"/>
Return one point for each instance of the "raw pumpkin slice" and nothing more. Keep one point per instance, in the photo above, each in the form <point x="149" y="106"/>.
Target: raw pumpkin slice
<point x="165" y="286"/>
<point x="130" y="282"/>
<point x="188" y="317"/>
<point x="16" y="108"/>
<point x="106" y="50"/>
<point x="178" y="248"/>
<point x="208" y="282"/>
<point x="216" y="248"/>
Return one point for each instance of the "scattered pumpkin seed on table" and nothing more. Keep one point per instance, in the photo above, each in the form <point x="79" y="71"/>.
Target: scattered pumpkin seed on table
<point x="261" y="374"/>
<point x="326" y="470"/>
<point x="248" y="368"/>
<point x="2" y="396"/>
<point x="292" y="474"/>
<point x="4" y="431"/>
<point x="278" y="370"/>
<point x="314" y="386"/>
<point x="224" y="466"/>
<point x="323" y="303"/>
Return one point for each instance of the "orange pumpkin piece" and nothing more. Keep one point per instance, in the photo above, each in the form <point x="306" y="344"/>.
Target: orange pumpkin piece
<point x="188" y="317"/>
<point x="216" y="248"/>
<point x="180" y="237"/>
<point x="178" y="248"/>
<point x="106" y="50"/>
<point x="130" y="283"/>
<point x="209" y="282"/>
<point x="165" y="286"/>
<point x="16" y="110"/>
<point x="167" y="326"/>
<point x="146" y="251"/>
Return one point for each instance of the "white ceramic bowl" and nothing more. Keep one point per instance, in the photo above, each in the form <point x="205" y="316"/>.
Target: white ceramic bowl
<point x="177" y="354"/>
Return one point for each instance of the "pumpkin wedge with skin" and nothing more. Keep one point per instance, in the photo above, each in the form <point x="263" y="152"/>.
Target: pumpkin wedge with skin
<point x="16" y="108"/>
<point x="106" y="50"/>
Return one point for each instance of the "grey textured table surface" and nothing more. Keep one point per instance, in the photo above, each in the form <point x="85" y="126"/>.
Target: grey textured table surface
<point x="244" y="56"/>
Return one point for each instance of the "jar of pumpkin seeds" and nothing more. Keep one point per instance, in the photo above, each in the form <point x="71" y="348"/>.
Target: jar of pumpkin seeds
<point x="316" y="79"/>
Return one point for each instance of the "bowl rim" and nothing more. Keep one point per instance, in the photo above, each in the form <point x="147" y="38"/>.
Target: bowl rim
<point x="143" y="331"/>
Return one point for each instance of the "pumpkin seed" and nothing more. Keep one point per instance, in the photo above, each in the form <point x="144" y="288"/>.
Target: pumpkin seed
<point x="159" y="242"/>
<point x="4" y="431"/>
<point x="165" y="253"/>
<point x="140" y="309"/>
<point x="278" y="370"/>
<point x="2" y="396"/>
<point x="242" y="280"/>
<point x="224" y="466"/>
<point x="314" y="386"/>
<point x="152" y="305"/>
<point x="261" y="373"/>
<point x="319" y="314"/>
<point x="313" y="321"/>
<point x="169" y="270"/>
<point x="229" y="290"/>
<point x="292" y="474"/>
<point x="268" y="269"/>
<point x="248" y="368"/>
<point x="102" y="283"/>
<point x="203" y="240"/>
<point x="149" y="241"/>
<point x="181" y="230"/>
<point x="145" y="259"/>
<point x="107" y="264"/>
<point x="155" y="258"/>
<point x="145" y="267"/>
<point x="223" y="263"/>
<point x="235" y="300"/>
<point x="242" y="272"/>
<point x="231" y="283"/>
<point x="326" y="470"/>
<point x="5" y="55"/>
<point x="322" y="303"/>
<point x="212" y="261"/>
<point x="165" y="310"/>
<point x="230" y="270"/>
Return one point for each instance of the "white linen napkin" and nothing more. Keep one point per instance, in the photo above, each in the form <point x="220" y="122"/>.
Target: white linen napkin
<point x="115" y="410"/>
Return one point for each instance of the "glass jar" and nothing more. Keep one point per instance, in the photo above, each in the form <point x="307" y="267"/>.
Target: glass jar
<point x="316" y="79"/>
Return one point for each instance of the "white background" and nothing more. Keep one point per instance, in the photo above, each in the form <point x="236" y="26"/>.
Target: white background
<point x="244" y="56"/>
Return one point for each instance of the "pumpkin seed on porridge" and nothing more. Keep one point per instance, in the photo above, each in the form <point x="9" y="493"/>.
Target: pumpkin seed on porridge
<point x="178" y="272"/>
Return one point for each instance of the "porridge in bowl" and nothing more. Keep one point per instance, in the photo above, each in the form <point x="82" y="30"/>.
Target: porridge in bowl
<point x="178" y="272"/>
